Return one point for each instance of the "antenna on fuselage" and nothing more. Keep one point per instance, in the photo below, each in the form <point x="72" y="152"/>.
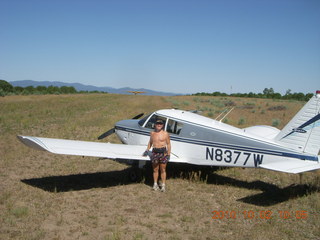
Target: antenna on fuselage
<point x="224" y="115"/>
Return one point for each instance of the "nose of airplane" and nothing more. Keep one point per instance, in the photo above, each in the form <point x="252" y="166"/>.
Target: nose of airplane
<point x="120" y="125"/>
<point x="124" y="127"/>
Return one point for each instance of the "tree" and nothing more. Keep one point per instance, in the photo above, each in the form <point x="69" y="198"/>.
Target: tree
<point x="18" y="90"/>
<point x="41" y="89"/>
<point x="5" y="86"/>
<point x="288" y="92"/>
<point x="29" y="89"/>
<point x="268" y="92"/>
<point x="65" y="89"/>
<point x="53" y="90"/>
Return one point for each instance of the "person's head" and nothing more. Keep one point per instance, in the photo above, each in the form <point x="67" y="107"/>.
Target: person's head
<point x="159" y="124"/>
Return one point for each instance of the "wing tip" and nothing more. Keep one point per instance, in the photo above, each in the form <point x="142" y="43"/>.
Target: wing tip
<point x="32" y="143"/>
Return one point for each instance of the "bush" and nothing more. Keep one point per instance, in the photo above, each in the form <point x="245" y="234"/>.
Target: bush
<point x="241" y="121"/>
<point x="2" y="93"/>
<point x="275" y="122"/>
<point x="5" y="86"/>
<point x="277" y="108"/>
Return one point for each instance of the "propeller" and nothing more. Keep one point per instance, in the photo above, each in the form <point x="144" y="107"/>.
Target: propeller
<point x="107" y="133"/>
<point x="112" y="130"/>
<point x="138" y="116"/>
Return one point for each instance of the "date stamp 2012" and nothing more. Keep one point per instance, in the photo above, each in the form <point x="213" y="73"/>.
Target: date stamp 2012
<point x="263" y="214"/>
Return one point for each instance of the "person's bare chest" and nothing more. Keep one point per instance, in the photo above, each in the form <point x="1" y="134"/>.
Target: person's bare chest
<point x="159" y="138"/>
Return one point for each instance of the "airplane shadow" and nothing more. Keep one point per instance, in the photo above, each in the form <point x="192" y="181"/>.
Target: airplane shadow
<point x="79" y="182"/>
<point x="270" y="195"/>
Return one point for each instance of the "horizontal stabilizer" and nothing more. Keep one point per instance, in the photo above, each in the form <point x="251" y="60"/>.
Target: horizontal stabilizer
<point x="292" y="166"/>
<point x="90" y="149"/>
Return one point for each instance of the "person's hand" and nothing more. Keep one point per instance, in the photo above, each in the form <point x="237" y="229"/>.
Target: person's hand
<point x="145" y="153"/>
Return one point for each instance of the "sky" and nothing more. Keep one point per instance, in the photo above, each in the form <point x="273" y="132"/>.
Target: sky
<point x="181" y="46"/>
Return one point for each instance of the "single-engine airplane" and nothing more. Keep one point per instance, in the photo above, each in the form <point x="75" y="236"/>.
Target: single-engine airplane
<point x="136" y="92"/>
<point x="199" y="140"/>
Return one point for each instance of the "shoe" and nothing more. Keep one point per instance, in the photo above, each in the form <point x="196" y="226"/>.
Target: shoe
<point x="163" y="188"/>
<point x="155" y="187"/>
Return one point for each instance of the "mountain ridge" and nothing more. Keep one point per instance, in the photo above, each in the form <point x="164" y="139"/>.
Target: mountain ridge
<point x="83" y="87"/>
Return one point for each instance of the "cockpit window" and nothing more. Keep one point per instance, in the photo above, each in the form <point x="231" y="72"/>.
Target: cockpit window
<point x="142" y="121"/>
<point x="152" y="120"/>
<point x="174" y="127"/>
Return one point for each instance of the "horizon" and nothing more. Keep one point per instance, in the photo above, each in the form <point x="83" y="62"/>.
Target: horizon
<point x="131" y="88"/>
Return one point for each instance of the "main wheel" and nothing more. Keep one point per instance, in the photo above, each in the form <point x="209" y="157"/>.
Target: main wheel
<point x="135" y="174"/>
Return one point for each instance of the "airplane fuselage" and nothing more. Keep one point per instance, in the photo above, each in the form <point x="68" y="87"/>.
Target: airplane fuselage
<point x="203" y="141"/>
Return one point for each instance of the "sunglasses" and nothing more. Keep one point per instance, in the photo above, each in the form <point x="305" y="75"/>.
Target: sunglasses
<point x="160" y="123"/>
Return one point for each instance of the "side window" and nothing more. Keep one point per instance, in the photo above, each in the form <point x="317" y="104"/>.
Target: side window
<point x="152" y="120"/>
<point x="174" y="127"/>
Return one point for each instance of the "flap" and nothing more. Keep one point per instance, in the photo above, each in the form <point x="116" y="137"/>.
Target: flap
<point x="292" y="166"/>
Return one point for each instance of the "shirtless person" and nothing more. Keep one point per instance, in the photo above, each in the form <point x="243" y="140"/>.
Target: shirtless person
<point x="161" y="149"/>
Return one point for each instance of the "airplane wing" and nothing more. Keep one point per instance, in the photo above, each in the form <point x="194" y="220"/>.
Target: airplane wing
<point x="90" y="149"/>
<point x="292" y="166"/>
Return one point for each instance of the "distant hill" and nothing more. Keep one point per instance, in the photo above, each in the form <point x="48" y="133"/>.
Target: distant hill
<point x="82" y="87"/>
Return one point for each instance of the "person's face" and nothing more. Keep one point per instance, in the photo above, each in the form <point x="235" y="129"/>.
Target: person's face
<point x="159" y="126"/>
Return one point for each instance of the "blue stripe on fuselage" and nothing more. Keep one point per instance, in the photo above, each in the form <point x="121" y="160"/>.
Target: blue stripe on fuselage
<point x="223" y="145"/>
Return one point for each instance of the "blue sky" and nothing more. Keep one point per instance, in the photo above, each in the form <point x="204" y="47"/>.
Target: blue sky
<point x="175" y="46"/>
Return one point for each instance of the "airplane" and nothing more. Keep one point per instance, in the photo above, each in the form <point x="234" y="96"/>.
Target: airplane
<point x="199" y="140"/>
<point x="136" y="92"/>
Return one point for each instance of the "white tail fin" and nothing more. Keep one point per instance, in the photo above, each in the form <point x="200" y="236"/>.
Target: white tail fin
<point x="303" y="131"/>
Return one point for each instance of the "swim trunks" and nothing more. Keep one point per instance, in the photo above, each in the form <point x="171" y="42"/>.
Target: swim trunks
<point x="159" y="155"/>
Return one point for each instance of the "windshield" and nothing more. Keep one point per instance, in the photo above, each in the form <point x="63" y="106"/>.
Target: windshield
<point x="142" y="121"/>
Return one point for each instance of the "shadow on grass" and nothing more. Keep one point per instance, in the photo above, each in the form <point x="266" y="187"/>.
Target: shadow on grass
<point x="277" y="195"/>
<point x="80" y="181"/>
<point x="271" y="194"/>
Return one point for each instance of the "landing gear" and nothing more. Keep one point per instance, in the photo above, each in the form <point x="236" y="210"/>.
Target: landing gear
<point x="135" y="174"/>
<point x="137" y="171"/>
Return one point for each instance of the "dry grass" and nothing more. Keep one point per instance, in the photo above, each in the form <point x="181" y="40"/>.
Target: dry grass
<point x="45" y="196"/>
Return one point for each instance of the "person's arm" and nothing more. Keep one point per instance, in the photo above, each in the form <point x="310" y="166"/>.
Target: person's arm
<point x="149" y="146"/>
<point x="150" y="143"/>
<point x="168" y="144"/>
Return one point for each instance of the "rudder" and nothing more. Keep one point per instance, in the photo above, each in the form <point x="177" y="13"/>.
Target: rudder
<point x="303" y="131"/>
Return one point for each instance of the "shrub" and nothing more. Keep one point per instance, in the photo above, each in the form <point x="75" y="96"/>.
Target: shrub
<point x="275" y="122"/>
<point x="5" y="86"/>
<point x="2" y="93"/>
<point x="241" y="121"/>
<point x="277" y="108"/>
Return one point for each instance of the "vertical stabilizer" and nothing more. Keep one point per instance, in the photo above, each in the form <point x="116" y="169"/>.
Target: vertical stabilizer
<point x="303" y="132"/>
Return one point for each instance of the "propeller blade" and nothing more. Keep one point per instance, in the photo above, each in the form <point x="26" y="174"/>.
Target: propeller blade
<point x="107" y="133"/>
<point x="138" y="116"/>
<point x="112" y="130"/>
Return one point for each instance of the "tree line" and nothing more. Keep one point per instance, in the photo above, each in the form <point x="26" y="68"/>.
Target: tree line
<point x="7" y="89"/>
<point x="266" y="93"/>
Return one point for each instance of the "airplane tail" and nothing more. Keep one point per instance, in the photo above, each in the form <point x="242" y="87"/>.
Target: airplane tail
<point x="302" y="133"/>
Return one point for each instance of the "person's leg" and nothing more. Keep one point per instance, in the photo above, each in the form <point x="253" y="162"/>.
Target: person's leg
<point x="163" y="175"/>
<point x="155" y="166"/>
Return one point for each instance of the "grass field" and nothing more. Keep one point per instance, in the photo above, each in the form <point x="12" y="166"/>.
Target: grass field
<point x="46" y="196"/>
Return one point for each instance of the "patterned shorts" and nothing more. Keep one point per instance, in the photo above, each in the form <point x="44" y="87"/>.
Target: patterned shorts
<point x="159" y="155"/>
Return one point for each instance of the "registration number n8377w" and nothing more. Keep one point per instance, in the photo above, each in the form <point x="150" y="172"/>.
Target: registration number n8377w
<point x="233" y="156"/>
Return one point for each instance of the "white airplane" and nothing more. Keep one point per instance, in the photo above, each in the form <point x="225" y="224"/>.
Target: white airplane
<point x="199" y="140"/>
